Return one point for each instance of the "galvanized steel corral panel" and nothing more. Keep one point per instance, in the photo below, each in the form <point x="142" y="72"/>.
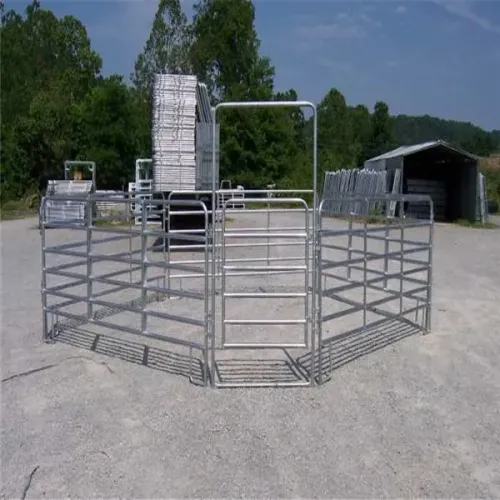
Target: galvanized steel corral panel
<point x="58" y="211"/>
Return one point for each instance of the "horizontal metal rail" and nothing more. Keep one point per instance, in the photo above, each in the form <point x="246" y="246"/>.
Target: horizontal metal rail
<point x="231" y="266"/>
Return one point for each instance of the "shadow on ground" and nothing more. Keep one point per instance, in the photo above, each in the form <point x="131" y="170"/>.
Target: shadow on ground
<point x="336" y="352"/>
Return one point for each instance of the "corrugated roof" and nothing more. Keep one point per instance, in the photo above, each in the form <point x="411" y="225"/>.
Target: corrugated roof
<point x="417" y="148"/>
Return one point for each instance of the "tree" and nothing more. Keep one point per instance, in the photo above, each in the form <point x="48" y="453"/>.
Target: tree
<point x="108" y="132"/>
<point x="47" y="66"/>
<point x="167" y="48"/>
<point x="256" y="144"/>
<point x="335" y="134"/>
<point x="381" y="139"/>
<point x="225" y="51"/>
<point x="361" y="129"/>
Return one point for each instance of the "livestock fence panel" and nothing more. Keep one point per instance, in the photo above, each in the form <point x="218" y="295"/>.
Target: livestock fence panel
<point x="375" y="276"/>
<point x="107" y="274"/>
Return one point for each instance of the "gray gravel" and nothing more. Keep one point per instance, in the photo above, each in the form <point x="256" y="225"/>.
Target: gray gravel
<point x="418" y="417"/>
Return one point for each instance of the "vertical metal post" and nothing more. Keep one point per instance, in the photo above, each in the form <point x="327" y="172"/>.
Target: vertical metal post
<point x="167" y="262"/>
<point x="223" y="275"/>
<point x="45" y="326"/>
<point x="401" y="257"/>
<point x="168" y="242"/>
<point x="130" y="243"/>
<point x="206" y="302"/>
<point x="268" y="249"/>
<point x="349" y="246"/>
<point x="428" y="309"/>
<point x="309" y="318"/>
<point x="386" y="243"/>
<point x="314" y="232"/>
<point x="214" y="244"/>
<point x="144" y="268"/>
<point x="365" y="261"/>
<point x="89" y="220"/>
<point x="319" y="317"/>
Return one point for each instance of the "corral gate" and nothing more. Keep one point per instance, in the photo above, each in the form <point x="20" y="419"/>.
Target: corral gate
<point x="266" y="266"/>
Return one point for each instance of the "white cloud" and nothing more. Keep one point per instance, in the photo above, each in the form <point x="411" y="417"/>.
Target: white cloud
<point x="312" y="32"/>
<point x="401" y="9"/>
<point x="465" y="10"/>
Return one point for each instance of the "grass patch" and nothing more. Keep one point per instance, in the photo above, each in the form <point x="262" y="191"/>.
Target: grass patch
<point x="475" y="224"/>
<point x="379" y="220"/>
<point x="17" y="209"/>
<point x="113" y="222"/>
<point x="264" y="206"/>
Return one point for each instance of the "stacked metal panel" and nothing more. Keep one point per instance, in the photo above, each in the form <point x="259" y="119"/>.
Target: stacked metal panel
<point x="173" y="132"/>
<point x="204" y="159"/>
<point x="204" y="142"/>
<point x="203" y="103"/>
<point x="66" y="210"/>
<point x="341" y="185"/>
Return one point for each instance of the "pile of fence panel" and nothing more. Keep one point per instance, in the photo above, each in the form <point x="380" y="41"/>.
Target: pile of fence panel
<point x="182" y="134"/>
<point x="341" y="187"/>
<point x="173" y="132"/>
<point x="65" y="211"/>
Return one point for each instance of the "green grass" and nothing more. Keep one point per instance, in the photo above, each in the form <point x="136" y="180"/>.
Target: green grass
<point x="17" y="209"/>
<point x="475" y="224"/>
<point x="264" y="205"/>
<point x="113" y="222"/>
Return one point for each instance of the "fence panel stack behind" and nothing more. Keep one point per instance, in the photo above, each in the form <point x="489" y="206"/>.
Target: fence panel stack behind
<point x="356" y="183"/>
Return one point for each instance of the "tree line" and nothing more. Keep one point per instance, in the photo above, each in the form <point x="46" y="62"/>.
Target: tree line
<point x="57" y="105"/>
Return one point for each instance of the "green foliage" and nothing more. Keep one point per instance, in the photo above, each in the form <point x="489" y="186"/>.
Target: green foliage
<point x="416" y="129"/>
<point x="492" y="184"/>
<point x="55" y="105"/>
<point x="167" y="48"/>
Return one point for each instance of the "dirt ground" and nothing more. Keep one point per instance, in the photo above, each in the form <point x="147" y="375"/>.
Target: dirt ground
<point x="406" y="415"/>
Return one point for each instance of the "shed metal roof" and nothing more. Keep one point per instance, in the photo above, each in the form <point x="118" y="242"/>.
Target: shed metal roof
<point x="417" y="148"/>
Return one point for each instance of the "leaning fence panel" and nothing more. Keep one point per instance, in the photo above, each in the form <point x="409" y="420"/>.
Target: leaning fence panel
<point x="342" y="186"/>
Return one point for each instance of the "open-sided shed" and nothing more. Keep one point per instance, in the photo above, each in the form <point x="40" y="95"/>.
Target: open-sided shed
<point x="447" y="173"/>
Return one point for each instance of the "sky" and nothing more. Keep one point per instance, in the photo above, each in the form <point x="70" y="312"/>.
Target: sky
<point x="436" y="57"/>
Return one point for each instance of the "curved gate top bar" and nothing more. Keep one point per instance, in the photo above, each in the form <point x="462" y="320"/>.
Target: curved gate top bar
<point x="269" y="104"/>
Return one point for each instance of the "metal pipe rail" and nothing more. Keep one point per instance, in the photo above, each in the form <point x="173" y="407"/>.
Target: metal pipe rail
<point x="101" y="305"/>
<point x="334" y="257"/>
<point x="108" y="274"/>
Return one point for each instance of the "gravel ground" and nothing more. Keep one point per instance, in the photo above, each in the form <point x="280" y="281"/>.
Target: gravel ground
<point x="403" y="415"/>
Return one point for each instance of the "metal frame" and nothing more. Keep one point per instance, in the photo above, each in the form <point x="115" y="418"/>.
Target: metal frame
<point x="310" y="319"/>
<point x="207" y="276"/>
<point x="364" y="261"/>
<point x="90" y="165"/>
<point x="214" y="267"/>
<point x="86" y="253"/>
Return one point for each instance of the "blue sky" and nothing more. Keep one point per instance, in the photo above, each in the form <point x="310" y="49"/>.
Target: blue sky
<point x="437" y="57"/>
